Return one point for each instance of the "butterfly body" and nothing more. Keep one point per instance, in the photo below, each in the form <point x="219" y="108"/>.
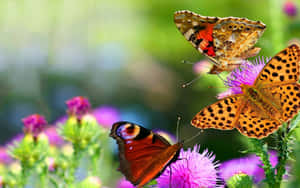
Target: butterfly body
<point x="226" y="41"/>
<point x="267" y="105"/>
<point x="143" y="154"/>
<point x="262" y="107"/>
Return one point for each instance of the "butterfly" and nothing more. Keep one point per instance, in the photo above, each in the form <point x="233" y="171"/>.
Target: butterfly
<point x="226" y="41"/>
<point x="274" y="98"/>
<point x="143" y="154"/>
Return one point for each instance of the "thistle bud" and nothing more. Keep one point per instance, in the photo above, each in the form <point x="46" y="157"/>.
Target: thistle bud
<point x="78" y="106"/>
<point x="240" y="180"/>
<point x="34" y="124"/>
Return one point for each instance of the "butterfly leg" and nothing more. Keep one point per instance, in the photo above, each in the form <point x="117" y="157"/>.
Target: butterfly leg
<point x="170" y="180"/>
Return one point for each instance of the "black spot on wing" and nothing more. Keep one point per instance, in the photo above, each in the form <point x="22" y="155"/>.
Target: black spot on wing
<point x="143" y="133"/>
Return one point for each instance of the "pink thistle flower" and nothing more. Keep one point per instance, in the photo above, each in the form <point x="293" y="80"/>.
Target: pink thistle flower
<point x="34" y="124"/>
<point x="192" y="170"/>
<point x="123" y="183"/>
<point x="249" y="165"/>
<point x="290" y="8"/>
<point x="106" y="115"/>
<point x="245" y="74"/>
<point x="245" y="165"/>
<point x="78" y="106"/>
<point x="4" y="157"/>
<point x="202" y="67"/>
<point x="54" y="138"/>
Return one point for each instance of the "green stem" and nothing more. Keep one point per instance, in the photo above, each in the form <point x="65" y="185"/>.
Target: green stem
<point x="95" y="166"/>
<point x="261" y="150"/>
<point x="74" y="164"/>
<point x="24" y="174"/>
<point x="52" y="180"/>
<point x="282" y="147"/>
<point x="95" y="170"/>
<point x="43" y="176"/>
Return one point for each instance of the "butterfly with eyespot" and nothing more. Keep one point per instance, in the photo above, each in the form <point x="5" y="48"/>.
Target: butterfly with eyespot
<point x="143" y="154"/>
<point x="261" y="108"/>
<point x="226" y="41"/>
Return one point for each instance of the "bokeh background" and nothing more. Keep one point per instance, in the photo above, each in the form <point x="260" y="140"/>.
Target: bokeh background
<point x="122" y="53"/>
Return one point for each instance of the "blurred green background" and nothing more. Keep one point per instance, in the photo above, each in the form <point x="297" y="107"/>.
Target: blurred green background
<point x="123" y="53"/>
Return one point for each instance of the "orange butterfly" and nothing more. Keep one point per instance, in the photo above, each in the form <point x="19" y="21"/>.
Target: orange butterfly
<point x="226" y="41"/>
<point x="274" y="98"/>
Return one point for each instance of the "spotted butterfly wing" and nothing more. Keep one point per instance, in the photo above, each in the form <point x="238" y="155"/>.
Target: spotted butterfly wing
<point x="143" y="154"/>
<point x="261" y="108"/>
<point x="220" y="115"/>
<point x="226" y="41"/>
<point x="277" y="81"/>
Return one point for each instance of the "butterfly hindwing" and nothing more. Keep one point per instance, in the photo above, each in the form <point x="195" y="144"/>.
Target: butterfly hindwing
<point x="255" y="123"/>
<point x="289" y="97"/>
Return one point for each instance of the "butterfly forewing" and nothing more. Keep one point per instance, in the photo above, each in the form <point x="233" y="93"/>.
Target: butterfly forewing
<point x="279" y="78"/>
<point x="282" y="68"/>
<point x="234" y="38"/>
<point x="220" y="115"/>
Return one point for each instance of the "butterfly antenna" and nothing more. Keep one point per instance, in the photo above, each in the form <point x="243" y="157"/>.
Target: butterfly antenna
<point x="192" y="81"/>
<point x="170" y="179"/>
<point x="217" y="87"/>
<point x="187" y="62"/>
<point x="219" y="76"/>
<point x="193" y="137"/>
<point x="177" y="127"/>
<point x="213" y="61"/>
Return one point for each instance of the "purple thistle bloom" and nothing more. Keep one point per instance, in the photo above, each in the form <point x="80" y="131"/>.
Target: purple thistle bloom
<point x="290" y="8"/>
<point x="78" y="106"/>
<point x="123" y="183"/>
<point x="54" y="138"/>
<point x="246" y="165"/>
<point x="34" y="124"/>
<point x="106" y="115"/>
<point x="246" y="74"/>
<point x="250" y="165"/>
<point x="194" y="170"/>
<point x="4" y="157"/>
